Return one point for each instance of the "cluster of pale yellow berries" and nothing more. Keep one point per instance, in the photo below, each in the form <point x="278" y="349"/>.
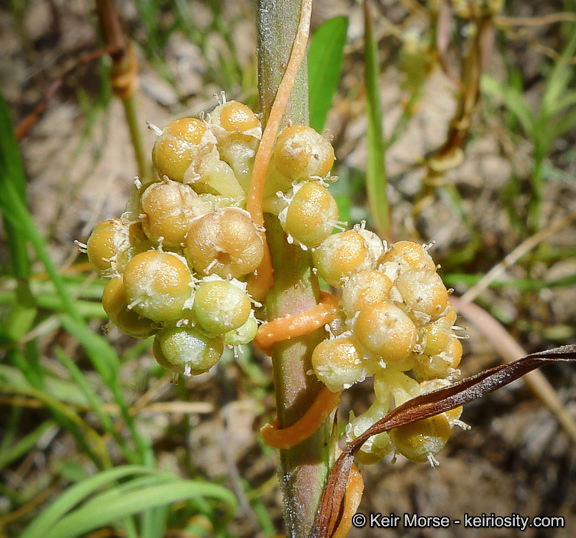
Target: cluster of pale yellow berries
<point x="395" y="318"/>
<point x="180" y="257"/>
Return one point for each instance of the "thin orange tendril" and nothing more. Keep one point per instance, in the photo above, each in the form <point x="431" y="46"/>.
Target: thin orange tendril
<point x="318" y="412"/>
<point x="354" y="490"/>
<point x="285" y="328"/>
<point x="263" y="278"/>
<point x="291" y="326"/>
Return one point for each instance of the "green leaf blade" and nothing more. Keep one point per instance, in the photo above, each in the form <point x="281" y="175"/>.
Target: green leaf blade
<point x="324" y="66"/>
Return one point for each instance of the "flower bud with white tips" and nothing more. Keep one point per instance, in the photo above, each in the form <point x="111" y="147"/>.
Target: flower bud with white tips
<point x="221" y="305"/>
<point x="225" y="242"/>
<point x="385" y="330"/>
<point x="112" y="244"/>
<point x="244" y="334"/>
<point x="310" y="214"/>
<point x="238" y="132"/>
<point x="442" y="364"/>
<point x="158" y="285"/>
<point x="189" y="350"/>
<point x="339" y="363"/>
<point x="409" y="255"/>
<point x="363" y="289"/>
<point x="423" y="293"/>
<point x="377" y="446"/>
<point x="340" y="255"/>
<point x="179" y="148"/>
<point x="127" y="320"/>
<point x="167" y="209"/>
<point x="421" y="441"/>
<point x="302" y="153"/>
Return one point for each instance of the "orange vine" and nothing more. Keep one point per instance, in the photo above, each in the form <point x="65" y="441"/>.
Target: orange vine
<point x="291" y="326"/>
<point x="319" y="411"/>
<point x="262" y="280"/>
<point x="354" y="490"/>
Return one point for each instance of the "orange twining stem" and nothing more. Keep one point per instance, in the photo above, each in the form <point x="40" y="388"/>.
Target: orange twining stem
<point x="318" y="412"/>
<point x="354" y="490"/>
<point x="263" y="279"/>
<point x="291" y="326"/>
<point x="264" y="154"/>
<point x="285" y="328"/>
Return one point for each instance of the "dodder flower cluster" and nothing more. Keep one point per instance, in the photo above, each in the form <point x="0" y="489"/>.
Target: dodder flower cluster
<point x="180" y="257"/>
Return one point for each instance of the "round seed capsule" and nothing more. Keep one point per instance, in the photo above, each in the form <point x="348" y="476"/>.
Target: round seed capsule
<point x="386" y="331"/>
<point x="311" y="214"/>
<point x="340" y="255"/>
<point x="188" y="348"/>
<point x="221" y="306"/>
<point x="423" y="293"/>
<point x="116" y="306"/>
<point x="301" y="153"/>
<point x="420" y="441"/>
<point x="243" y="334"/>
<point x="100" y="247"/>
<point x="225" y="242"/>
<point x="158" y="285"/>
<point x="363" y="289"/>
<point x="236" y="118"/>
<point x="169" y="208"/>
<point x="338" y="363"/>
<point x="162" y="360"/>
<point x="437" y="336"/>
<point x="180" y="145"/>
<point x="441" y="364"/>
<point x="410" y="255"/>
<point x="238" y="131"/>
<point x="112" y="243"/>
<point x="377" y="446"/>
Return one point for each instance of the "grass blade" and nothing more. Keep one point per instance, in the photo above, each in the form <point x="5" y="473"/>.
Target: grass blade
<point x="513" y="100"/>
<point x="76" y="494"/>
<point x="12" y="173"/>
<point x="324" y="66"/>
<point x="106" y="362"/>
<point x="24" y="445"/>
<point x="376" y="181"/>
<point x="101" y="512"/>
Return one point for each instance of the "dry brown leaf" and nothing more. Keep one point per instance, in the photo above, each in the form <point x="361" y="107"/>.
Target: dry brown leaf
<point x="421" y="407"/>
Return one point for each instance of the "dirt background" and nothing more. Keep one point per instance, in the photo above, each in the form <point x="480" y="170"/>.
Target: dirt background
<point x="515" y="459"/>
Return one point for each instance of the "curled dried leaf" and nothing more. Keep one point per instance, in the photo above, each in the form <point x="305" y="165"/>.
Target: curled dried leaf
<point x="421" y="407"/>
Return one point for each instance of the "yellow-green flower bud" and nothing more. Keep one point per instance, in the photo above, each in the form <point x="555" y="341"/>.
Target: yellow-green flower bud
<point x="386" y="331"/>
<point x="420" y="441"/>
<point x="167" y="209"/>
<point x="225" y="242"/>
<point x="310" y="215"/>
<point x="128" y="321"/>
<point x="341" y="255"/>
<point x="339" y="363"/>
<point x="190" y="349"/>
<point x="302" y="153"/>
<point x="221" y="306"/>
<point x="158" y="285"/>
